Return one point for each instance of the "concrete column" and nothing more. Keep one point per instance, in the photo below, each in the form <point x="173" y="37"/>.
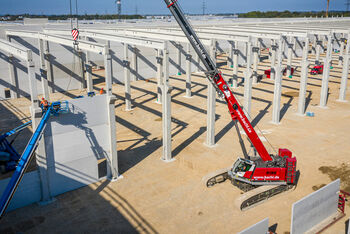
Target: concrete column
<point x="324" y="43"/>
<point x="303" y="86"/>
<point x="318" y="51"/>
<point x="326" y="71"/>
<point x="81" y="69"/>
<point x="134" y="64"/>
<point x="294" y="45"/>
<point x="41" y="159"/>
<point x="289" y="58"/>
<point x="230" y="54"/>
<point x="127" y="78"/>
<point x="32" y="81"/>
<point x="108" y="71"/>
<point x="13" y="78"/>
<point x="159" y="75"/>
<point x="13" y="75"/>
<point x="255" y="61"/>
<point x="234" y="83"/>
<point x="43" y="71"/>
<point x="341" y="53"/>
<point x="198" y="62"/>
<point x="178" y="56"/>
<point x="276" y="112"/>
<point x="211" y="102"/>
<point x="49" y="67"/>
<point x="344" y="79"/>
<point x="305" y="49"/>
<point x="166" y="115"/>
<point x="188" y="70"/>
<point x="88" y="71"/>
<point x="248" y="82"/>
<point x="314" y="42"/>
<point x="88" y="68"/>
<point x="273" y="61"/>
<point x="112" y="155"/>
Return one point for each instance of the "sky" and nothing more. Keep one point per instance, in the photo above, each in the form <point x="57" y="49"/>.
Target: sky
<point x="153" y="7"/>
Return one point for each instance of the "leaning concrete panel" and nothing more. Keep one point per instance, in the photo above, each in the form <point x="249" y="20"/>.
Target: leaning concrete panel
<point x="77" y="144"/>
<point x="28" y="191"/>
<point x="259" y="228"/>
<point x="314" y="208"/>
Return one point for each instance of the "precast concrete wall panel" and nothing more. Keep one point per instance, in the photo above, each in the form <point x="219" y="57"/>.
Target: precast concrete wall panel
<point x="28" y="191"/>
<point x="259" y="228"/>
<point x="314" y="208"/>
<point x="75" y="143"/>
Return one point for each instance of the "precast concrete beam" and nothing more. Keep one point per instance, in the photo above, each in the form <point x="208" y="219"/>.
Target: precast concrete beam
<point x="188" y="70"/>
<point x="127" y="78"/>
<point x="166" y="115"/>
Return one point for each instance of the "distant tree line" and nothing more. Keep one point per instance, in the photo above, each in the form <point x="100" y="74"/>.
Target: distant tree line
<point x="65" y="17"/>
<point x="291" y="14"/>
<point x="252" y="14"/>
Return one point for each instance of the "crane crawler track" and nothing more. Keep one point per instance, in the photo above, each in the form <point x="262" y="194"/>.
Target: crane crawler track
<point x="260" y="197"/>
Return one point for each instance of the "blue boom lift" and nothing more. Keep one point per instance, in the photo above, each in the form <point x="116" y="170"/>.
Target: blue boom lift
<point x="53" y="109"/>
<point x="8" y="155"/>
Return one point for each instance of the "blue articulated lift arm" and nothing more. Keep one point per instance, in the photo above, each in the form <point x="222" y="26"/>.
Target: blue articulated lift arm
<point x="15" y="130"/>
<point x="23" y="163"/>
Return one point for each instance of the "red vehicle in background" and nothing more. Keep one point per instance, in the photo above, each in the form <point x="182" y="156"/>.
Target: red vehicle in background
<point x="268" y="72"/>
<point x="317" y="70"/>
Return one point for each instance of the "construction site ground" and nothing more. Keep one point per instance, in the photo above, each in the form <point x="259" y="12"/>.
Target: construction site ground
<point x="158" y="197"/>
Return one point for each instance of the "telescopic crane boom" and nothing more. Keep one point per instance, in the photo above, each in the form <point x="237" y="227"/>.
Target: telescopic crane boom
<point x="278" y="170"/>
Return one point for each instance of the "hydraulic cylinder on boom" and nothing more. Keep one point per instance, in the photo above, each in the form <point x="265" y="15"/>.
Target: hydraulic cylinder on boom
<point x="247" y="174"/>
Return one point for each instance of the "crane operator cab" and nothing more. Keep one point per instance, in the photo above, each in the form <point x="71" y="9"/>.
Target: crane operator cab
<point x="240" y="167"/>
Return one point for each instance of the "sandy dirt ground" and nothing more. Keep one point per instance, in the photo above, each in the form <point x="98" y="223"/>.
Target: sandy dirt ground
<point x="159" y="197"/>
